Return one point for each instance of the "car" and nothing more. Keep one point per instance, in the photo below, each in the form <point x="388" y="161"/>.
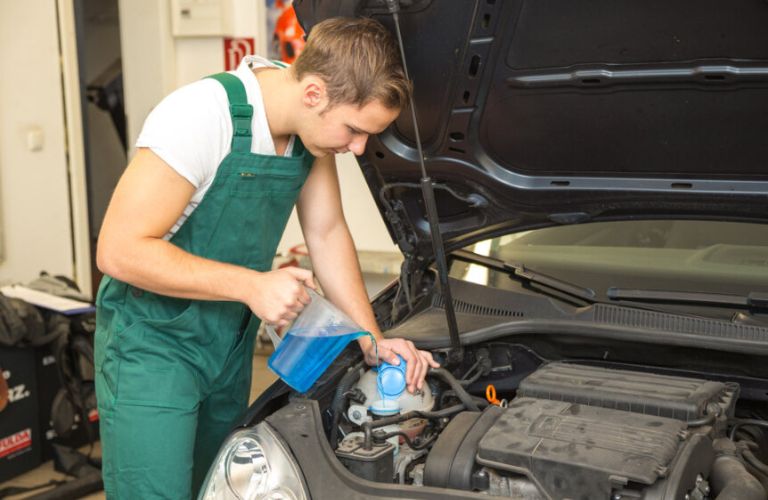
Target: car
<point x="594" y="277"/>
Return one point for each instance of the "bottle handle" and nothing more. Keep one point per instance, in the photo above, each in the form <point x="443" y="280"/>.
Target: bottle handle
<point x="273" y="336"/>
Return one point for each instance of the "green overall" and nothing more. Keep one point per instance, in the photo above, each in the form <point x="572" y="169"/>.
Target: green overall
<point x="173" y="375"/>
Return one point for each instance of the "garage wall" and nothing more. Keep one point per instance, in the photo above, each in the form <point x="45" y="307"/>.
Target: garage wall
<point x="155" y="63"/>
<point x="34" y="200"/>
<point x="363" y="218"/>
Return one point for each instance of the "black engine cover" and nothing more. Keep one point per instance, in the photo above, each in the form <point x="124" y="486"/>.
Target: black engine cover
<point x="452" y="460"/>
<point x="575" y="451"/>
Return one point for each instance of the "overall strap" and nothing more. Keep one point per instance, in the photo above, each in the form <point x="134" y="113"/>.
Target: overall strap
<point x="239" y="109"/>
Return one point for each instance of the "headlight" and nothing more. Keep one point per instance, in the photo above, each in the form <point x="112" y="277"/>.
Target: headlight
<point x="254" y="464"/>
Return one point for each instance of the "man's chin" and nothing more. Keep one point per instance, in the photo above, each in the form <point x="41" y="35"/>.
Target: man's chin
<point x="320" y="152"/>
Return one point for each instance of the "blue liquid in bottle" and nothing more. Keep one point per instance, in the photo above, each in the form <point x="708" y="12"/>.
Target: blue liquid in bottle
<point x="302" y="357"/>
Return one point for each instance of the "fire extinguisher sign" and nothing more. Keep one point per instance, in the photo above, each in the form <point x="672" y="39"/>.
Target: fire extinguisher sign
<point x="235" y="49"/>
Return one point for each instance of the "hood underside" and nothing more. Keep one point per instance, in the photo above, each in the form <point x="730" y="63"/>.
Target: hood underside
<point x="540" y="113"/>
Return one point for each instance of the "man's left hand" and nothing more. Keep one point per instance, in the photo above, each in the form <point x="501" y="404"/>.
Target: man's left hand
<point x="418" y="362"/>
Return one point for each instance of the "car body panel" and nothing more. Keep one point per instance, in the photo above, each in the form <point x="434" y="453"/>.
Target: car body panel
<point x="534" y="114"/>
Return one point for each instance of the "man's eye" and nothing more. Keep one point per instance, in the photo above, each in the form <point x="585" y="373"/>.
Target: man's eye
<point x="352" y="131"/>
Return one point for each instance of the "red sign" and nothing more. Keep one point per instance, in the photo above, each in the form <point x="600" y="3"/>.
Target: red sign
<point x="15" y="442"/>
<point x="235" y="49"/>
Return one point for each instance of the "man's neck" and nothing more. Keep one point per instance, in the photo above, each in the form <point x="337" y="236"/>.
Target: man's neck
<point x="277" y="89"/>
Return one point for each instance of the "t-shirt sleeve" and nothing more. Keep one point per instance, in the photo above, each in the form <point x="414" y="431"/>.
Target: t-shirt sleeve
<point x="190" y="131"/>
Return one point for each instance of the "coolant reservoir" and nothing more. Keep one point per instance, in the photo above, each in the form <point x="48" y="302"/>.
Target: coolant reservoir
<point x="406" y="401"/>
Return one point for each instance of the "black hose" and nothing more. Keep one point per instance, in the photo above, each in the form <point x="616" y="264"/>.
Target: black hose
<point x="481" y="402"/>
<point x="470" y="381"/>
<point x="467" y="379"/>
<point x="700" y="422"/>
<point x="339" y="399"/>
<point x="383" y="422"/>
<point x="759" y="475"/>
<point x="461" y="393"/>
<point x="755" y="462"/>
<point x="730" y="479"/>
<point x="77" y="488"/>
<point x="743" y="422"/>
<point x="423" y="444"/>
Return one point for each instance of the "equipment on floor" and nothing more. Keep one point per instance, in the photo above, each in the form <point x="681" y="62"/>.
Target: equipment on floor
<point x="48" y="361"/>
<point x="20" y="440"/>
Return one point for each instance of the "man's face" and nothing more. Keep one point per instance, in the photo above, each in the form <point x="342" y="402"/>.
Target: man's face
<point x="345" y="127"/>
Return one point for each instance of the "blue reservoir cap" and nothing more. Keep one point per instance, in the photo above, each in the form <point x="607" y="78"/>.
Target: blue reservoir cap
<point x="391" y="379"/>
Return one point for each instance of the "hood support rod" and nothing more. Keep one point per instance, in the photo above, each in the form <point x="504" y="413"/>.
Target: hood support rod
<point x="428" y="192"/>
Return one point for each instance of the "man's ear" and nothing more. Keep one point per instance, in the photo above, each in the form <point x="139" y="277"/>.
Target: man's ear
<point x="314" y="92"/>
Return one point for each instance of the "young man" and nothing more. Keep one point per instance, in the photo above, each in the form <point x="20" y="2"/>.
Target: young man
<point x="188" y="240"/>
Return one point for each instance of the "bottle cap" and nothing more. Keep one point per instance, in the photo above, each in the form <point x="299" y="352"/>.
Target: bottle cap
<point x="391" y="379"/>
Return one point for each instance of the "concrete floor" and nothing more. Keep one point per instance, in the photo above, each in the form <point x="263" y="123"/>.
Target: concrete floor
<point x="262" y="378"/>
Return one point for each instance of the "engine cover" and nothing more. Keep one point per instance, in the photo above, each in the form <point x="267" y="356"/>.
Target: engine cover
<point x="574" y="451"/>
<point x="649" y="393"/>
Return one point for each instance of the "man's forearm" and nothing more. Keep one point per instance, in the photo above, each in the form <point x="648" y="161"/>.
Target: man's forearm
<point x="335" y="263"/>
<point x="161" y="267"/>
<point x="338" y="270"/>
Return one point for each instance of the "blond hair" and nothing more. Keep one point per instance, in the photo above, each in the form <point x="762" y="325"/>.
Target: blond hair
<point x="359" y="61"/>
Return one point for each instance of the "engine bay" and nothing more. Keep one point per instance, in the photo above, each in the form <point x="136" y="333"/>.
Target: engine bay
<point x="563" y="430"/>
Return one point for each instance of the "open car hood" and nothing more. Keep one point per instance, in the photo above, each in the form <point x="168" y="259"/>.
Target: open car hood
<point x="538" y="113"/>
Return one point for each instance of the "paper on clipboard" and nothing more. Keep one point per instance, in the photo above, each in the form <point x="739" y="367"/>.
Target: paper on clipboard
<point x="47" y="300"/>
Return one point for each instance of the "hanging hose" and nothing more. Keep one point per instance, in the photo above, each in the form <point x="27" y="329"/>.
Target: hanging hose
<point x="732" y="481"/>
<point x="756" y="467"/>
<point x="339" y="399"/>
<point x="737" y="423"/>
<point x="705" y="420"/>
<point x="414" y="445"/>
<point x="755" y="462"/>
<point x="461" y="393"/>
<point x="482" y="403"/>
<point x="429" y="415"/>
<point x="729" y="478"/>
<point x="471" y="376"/>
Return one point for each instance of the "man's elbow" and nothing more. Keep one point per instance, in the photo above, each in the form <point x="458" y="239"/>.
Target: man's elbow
<point x="108" y="259"/>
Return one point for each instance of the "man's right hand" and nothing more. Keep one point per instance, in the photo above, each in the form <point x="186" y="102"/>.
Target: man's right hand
<point x="278" y="296"/>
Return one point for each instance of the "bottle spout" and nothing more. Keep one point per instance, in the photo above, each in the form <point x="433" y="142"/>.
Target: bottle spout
<point x="273" y="336"/>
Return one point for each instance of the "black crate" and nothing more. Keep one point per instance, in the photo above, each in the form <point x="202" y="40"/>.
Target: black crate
<point x="20" y="443"/>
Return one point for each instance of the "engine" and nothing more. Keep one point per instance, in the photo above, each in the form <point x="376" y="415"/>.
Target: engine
<point x="571" y="431"/>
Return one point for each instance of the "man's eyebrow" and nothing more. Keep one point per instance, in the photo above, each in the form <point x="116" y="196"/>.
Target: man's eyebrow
<point x="360" y="131"/>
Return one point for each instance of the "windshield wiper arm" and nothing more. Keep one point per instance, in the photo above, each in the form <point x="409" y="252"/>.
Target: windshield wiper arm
<point x="753" y="300"/>
<point x="519" y="272"/>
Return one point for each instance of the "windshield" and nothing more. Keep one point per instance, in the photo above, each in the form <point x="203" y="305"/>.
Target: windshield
<point x="680" y="255"/>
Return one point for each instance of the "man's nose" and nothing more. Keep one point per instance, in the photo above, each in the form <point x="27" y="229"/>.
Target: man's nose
<point x="357" y="146"/>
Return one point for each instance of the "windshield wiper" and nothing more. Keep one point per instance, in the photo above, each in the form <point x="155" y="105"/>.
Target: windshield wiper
<point x="753" y="300"/>
<point x="520" y="273"/>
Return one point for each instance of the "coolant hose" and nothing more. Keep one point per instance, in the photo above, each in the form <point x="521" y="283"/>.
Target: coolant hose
<point x="339" y="398"/>
<point x="461" y="393"/>
<point x="730" y="479"/>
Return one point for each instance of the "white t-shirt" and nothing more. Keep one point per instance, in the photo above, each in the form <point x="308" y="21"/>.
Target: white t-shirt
<point x="191" y="129"/>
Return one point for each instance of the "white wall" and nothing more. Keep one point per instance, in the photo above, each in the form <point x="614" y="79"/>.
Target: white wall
<point x="154" y="63"/>
<point x="149" y="59"/>
<point x="34" y="196"/>
<point x="363" y="219"/>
